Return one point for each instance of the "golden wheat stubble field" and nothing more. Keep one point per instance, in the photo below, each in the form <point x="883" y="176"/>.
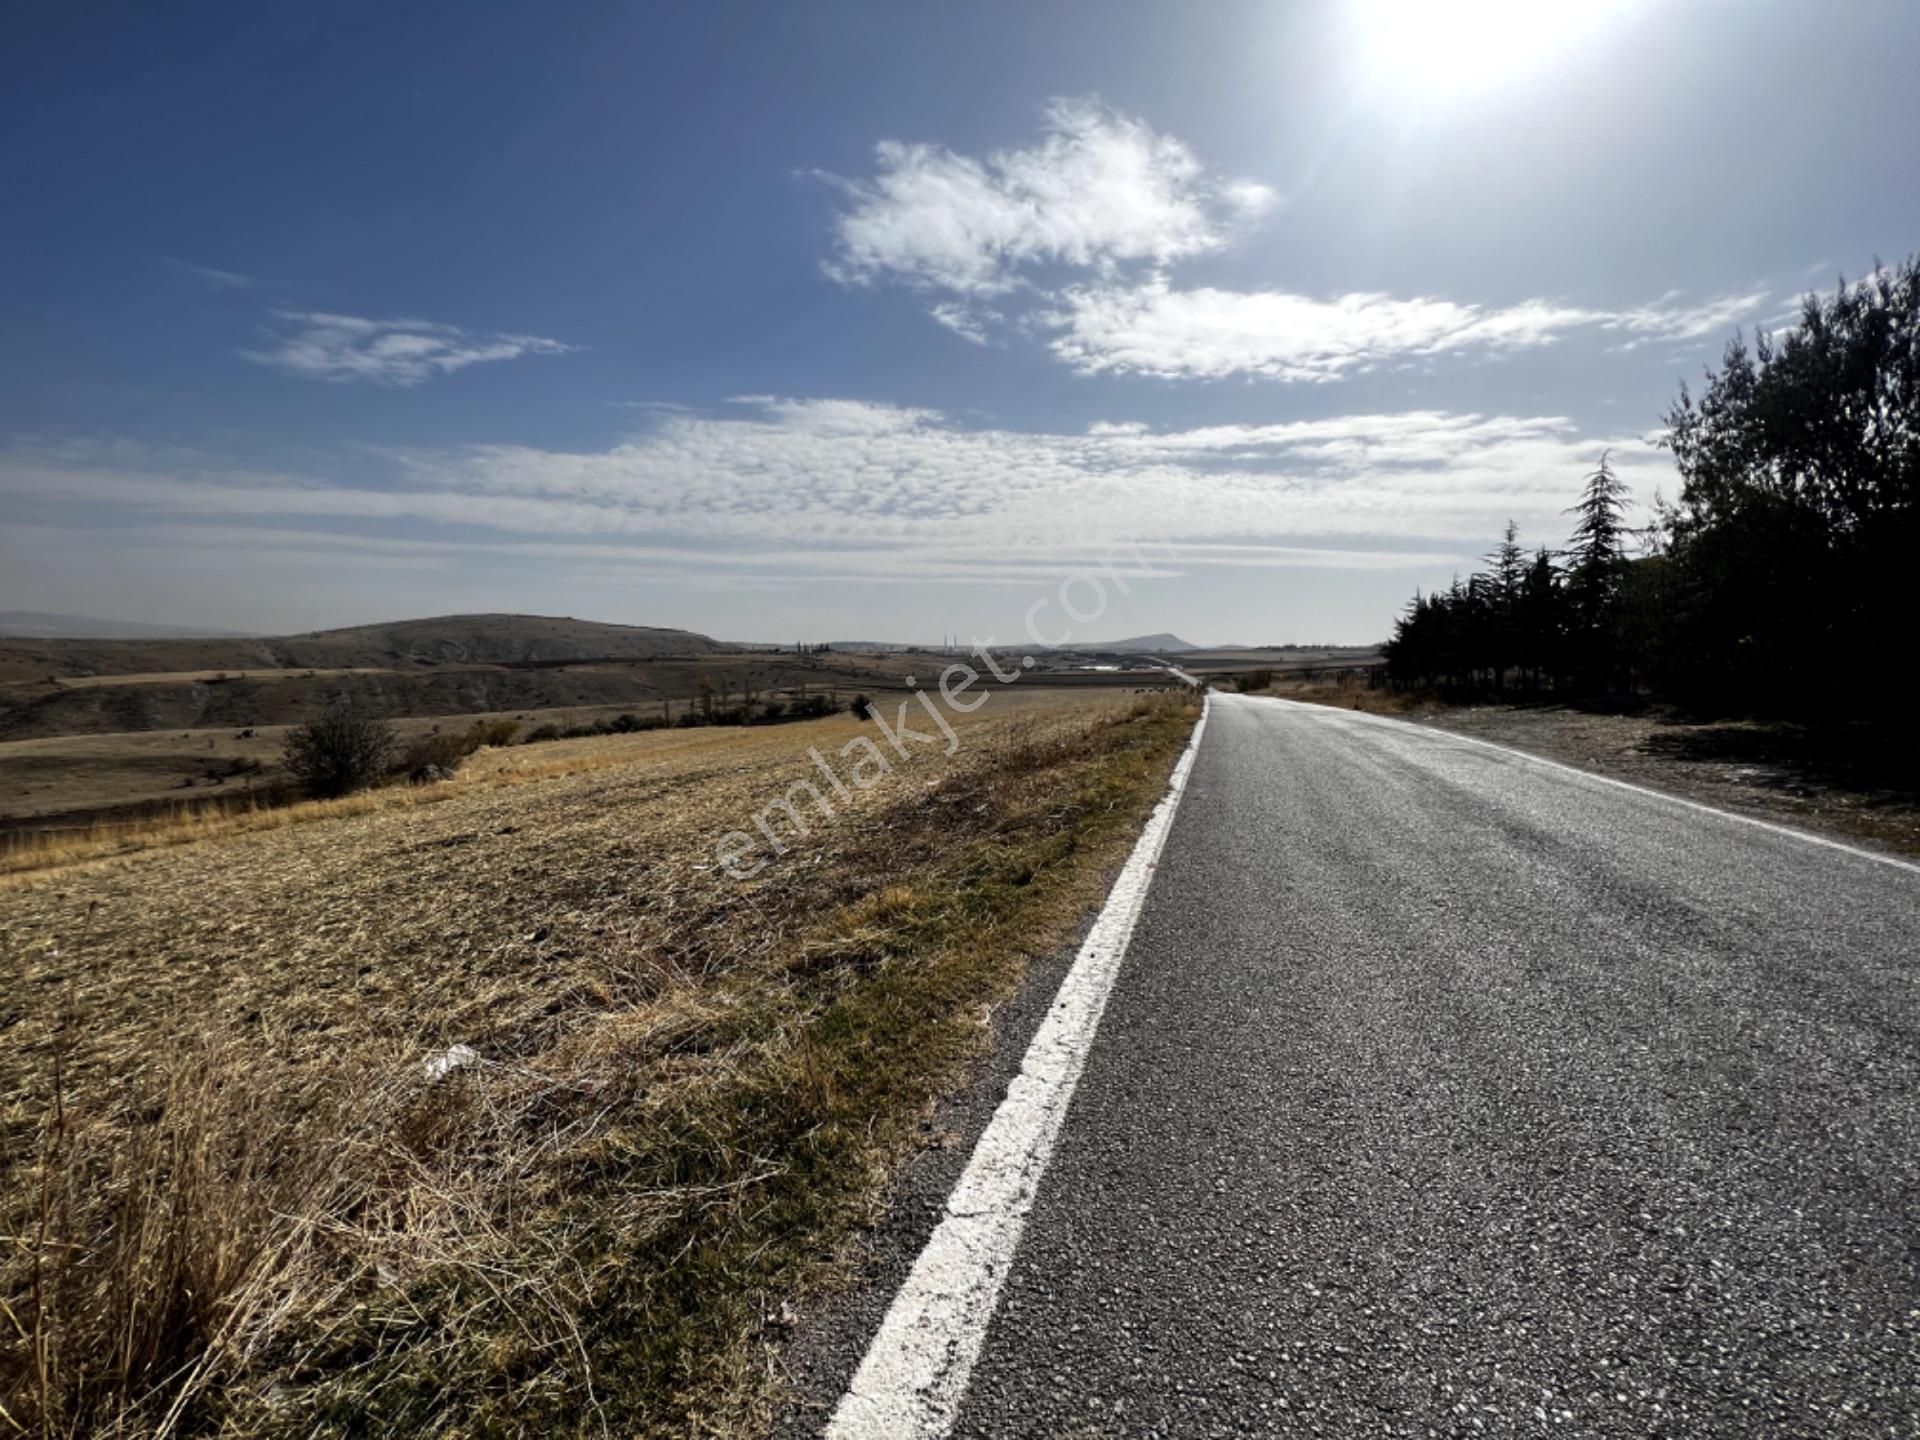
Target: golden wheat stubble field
<point x="237" y="1200"/>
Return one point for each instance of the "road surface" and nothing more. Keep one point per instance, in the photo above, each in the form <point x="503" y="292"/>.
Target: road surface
<point x="1444" y="1092"/>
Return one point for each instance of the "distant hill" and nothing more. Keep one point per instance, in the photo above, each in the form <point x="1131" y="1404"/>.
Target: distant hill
<point x="39" y="625"/>
<point x="1161" y="644"/>
<point x="403" y="644"/>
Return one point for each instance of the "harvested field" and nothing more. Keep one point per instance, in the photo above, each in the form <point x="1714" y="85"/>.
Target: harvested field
<point x="253" y="1184"/>
<point x="99" y="783"/>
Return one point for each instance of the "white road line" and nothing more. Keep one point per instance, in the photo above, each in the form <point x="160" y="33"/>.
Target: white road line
<point x="1787" y="830"/>
<point x="914" y="1376"/>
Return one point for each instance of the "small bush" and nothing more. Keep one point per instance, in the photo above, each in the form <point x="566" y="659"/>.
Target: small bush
<point x="861" y="706"/>
<point x="445" y="751"/>
<point x="342" y="751"/>
<point x="542" y="733"/>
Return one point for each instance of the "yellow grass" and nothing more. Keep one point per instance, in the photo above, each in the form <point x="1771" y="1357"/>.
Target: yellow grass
<point x="30" y="852"/>
<point x="236" y="1203"/>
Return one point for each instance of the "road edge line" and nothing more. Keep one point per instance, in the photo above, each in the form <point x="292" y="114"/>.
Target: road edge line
<point x="914" y="1375"/>
<point x="1792" y="832"/>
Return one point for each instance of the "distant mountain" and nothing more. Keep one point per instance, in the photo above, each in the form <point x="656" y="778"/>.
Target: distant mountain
<point x="400" y="644"/>
<point x="1161" y="644"/>
<point x="494" y="640"/>
<point x="39" y="625"/>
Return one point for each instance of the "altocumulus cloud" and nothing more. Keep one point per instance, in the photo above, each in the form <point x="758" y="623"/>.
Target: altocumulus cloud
<point x="883" y="488"/>
<point x="341" y="348"/>
<point x="1106" y="195"/>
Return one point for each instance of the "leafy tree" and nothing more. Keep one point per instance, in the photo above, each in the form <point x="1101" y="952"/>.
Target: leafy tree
<point x="1800" y="506"/>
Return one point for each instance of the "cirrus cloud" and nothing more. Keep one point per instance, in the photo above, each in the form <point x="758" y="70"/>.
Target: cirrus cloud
<point x="1210" y="334"/>
<point x="343" y="348"/>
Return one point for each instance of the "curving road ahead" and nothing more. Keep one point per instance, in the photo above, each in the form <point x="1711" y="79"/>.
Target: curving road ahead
<point x="1444" y="1092"/>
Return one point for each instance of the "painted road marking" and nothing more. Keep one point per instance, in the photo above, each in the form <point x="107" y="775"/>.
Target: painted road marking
<point x="914" y="1376"/>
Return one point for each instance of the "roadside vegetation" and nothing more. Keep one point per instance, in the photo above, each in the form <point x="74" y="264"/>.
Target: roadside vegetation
<point x="1777" y="583"/>
<point x="510" y="1112"/>
<point x="1739" y="648"/>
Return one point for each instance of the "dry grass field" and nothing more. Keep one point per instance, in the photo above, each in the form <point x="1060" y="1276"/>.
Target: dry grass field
<point x="238" y="1195"/>
<point x="96" y="787"/>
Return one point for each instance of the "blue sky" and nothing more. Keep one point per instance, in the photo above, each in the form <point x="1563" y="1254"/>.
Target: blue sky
<point x="859" y="320"/>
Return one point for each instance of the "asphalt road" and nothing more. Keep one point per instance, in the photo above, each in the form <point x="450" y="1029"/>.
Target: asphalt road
<point x="1445" y="1093"/>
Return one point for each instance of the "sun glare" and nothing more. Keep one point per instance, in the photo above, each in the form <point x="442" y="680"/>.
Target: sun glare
<point x="1442" y="48"/>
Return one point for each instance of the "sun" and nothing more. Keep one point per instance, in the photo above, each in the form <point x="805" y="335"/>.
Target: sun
<point x="1449" y="48"/>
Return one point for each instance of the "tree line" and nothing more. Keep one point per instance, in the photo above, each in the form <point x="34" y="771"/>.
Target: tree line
<point x="1775" y="582"/>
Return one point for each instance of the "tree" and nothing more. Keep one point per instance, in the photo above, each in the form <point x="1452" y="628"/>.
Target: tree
<point x="342" y="751"/>
<point x="1541" y="622"/>
<point x="1596" y="569"/>
<point x="1800" y="505"/>
<point x="1783" y="565"/>
<point x="1507" y="578"/>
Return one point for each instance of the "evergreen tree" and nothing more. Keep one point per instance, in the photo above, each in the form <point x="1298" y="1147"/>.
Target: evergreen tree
<point x="1596" y="568"/>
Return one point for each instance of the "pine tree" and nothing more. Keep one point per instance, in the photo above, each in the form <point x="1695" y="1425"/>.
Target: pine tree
<point x="1597" y="563"/>
<point x="1509" y="563"/>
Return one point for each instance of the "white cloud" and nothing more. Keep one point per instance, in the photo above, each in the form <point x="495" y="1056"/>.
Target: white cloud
<point x="218" y="279"/>
<point x="1105" y="195"/>
<point x="1099" y="188"/>
<point x="965" y="321"/>
<point x="1155" y="329"/>
<point x="883" y="491"/>
<point x="317" y="346"/>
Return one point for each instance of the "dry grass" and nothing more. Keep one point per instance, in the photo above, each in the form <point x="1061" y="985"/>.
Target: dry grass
<point x="1342" y="694"/>
<point x="234" y="1202"/>
<point x="31" y="852"/>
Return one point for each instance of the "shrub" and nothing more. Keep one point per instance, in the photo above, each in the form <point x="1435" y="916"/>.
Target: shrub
<point x="861" y="706"/>
<point x="340" y="752"/>
<point x="542" y="733"/>
<point x="446" y="751"/>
